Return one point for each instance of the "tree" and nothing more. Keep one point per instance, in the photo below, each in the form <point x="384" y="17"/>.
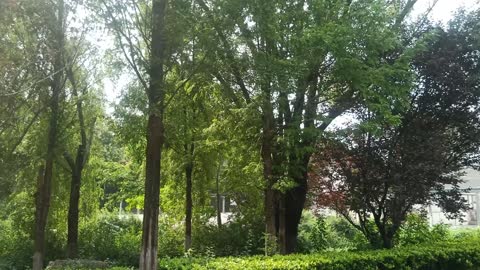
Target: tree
<point x="22" y="90"/>
<point x="379" y="172"/>
<point x="144" y="36"/>
<point x="37" y="99"/>
<point x="44" y="182"/>
<point x="301" y="64"/>
<point x="78" y="164"/>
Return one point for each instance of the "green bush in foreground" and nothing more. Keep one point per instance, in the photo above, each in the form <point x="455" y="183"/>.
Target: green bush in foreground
<point x="451" y="256"/>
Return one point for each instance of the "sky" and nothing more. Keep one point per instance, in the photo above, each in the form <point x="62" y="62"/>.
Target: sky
<point x="444" y="9"/>
<point x="442" y="12"/>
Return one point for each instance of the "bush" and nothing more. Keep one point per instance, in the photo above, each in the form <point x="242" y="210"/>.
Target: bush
<point x="326" y="233"/>
<point x="108" y="237"/>
<point x="458" y="256"/>
<point x="76" y="264"/>
<point x="239" y="237"/>
<point x="416" y="230"/>
<point x="170" y="237"/>
<point x="16" y="247"/>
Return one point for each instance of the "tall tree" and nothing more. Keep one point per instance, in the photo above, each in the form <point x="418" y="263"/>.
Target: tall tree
<point x="78" y="164"/>
<point x="44" y="182"/>
<point x="379" y="171"/>
<point x="141" y="36"/>
<point x="155" y="138"/>
<point x="301" y="64"/>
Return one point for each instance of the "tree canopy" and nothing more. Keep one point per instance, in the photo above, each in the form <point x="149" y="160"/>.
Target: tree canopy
<point x="223" y="130"/>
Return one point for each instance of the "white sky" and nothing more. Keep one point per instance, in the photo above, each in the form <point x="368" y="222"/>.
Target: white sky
<point x="442" y="12"/>
<point x="444" y="9"/>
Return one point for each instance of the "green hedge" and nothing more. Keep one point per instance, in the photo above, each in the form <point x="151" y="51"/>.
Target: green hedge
<point x="450" y="256"/>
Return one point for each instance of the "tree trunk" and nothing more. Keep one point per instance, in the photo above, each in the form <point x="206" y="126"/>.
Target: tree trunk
<point x="282" y="223"/>
<point x="387" y="242"/>
<point x="73" y="212"/>
<point x="155" y="139"/>
<point x="44" y="188"/>
<point x="298" y="170"/>
<point x="294" y="203"/>
<point x="72" y="237"/>
<point x="148" y="256"/>
<point x="40" y="221"/>
<point x="219" y="206"/>
<point x="76" y="169"/>
<point x="270" y="203"/>
<point x="188" y="199"/>
<point x="44" y="184"/>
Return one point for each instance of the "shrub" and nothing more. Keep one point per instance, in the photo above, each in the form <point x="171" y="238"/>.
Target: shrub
<point x="16" y="248"/>
<point x="325" y="233"/>
<point x="458" y="256"/>
<point x="239" y="237"/>
<point x="107" y="237"/>
<point x="76" y="264"/>
<point x="170" y="237"/>
<point x="416" y="230"/>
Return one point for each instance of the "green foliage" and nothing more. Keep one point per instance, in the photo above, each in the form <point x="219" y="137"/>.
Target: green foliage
<point x="107" y="237"/>
<point x="328" y="233"/>
<point x="15" y="246"/>
<point x="416" y="230"/>
<point x="170" y="237"/>
<point x="239" y="237"/>
<point x="447" y="256"/>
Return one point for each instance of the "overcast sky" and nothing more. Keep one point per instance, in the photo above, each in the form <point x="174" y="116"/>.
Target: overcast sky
<point x="444" y="9"/>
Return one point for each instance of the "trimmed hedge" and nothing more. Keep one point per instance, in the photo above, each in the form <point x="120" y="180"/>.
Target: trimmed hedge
<point x="448" y="256"/>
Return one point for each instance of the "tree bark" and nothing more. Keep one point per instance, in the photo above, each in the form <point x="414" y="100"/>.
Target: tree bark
<point x="387" y="241"/>
<point x="155" y="140"/>
<point x="188" y="199"/>
<point x="270" y="200"/>
<point x="76" y="171"/>
<point x="44" y="184"/>
<point x="73" y="212"/>
<point x="298" y="169"/>
<point x="294" y="203"/>
<point x="148" y="256"/>
<point x="40" y="221"/>
<point x="282" y="224"/>
<point x="219" y="206"/>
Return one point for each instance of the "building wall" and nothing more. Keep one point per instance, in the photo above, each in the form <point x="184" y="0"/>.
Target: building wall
<point x="470" y="217"/>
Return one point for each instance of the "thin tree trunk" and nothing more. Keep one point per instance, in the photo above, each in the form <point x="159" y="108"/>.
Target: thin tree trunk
<point x="155" y="140"/>
<point x="282" y="219"/>
<point x="73" y="212"/>
<point x="76" y="170"/>
<point x="40" y="221"/>
<point x="270" y="203"/>
<point x="188" y="199"/>
<point x="44" y="184"/>
<point x="219" y="206"/>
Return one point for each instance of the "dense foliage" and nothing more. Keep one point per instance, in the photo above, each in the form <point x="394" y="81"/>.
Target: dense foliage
<point x="460" y="255"/>
<point x="380" y="171"/>
<point x="190" y="129"/>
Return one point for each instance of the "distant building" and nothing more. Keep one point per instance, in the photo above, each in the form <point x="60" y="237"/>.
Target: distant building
<point x="227" y="208"/>
<point x="471" y="194"/>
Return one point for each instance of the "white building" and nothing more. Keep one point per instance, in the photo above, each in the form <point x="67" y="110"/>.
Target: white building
<point x="472" y="195"/>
